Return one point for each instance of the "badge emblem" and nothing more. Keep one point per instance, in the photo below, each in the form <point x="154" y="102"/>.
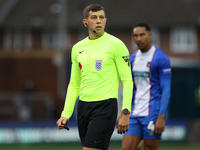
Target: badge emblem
<point x="148" y="64"/>
<point x="127" y="60"/>
<point x="98" y="64"/>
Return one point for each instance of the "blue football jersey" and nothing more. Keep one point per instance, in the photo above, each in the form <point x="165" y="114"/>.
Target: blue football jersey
<point x="151" y="73"/>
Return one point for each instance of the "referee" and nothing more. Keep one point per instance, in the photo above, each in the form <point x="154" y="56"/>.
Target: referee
<point x="97" y="63"/>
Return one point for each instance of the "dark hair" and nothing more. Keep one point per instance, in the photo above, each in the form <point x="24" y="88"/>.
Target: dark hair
<point x="93" y="8"/>
<point x="143" y="25"/>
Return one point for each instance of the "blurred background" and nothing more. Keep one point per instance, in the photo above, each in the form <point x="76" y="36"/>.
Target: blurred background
<point x="36" y="37"/>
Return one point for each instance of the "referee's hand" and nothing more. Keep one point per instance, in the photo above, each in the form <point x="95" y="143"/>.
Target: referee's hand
<point x="123" y="124"/>
<point x="61" y="122"/>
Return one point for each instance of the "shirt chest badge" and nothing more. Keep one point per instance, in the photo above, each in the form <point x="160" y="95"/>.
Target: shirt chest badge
<point x="148" y="64"/>
<point x="98" y="64"/>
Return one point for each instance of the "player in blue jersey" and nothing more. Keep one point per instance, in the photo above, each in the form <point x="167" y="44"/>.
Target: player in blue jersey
<point x="151" y="73"/>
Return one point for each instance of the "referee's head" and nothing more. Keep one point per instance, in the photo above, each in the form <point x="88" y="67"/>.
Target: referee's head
<point x="93" y="8"/>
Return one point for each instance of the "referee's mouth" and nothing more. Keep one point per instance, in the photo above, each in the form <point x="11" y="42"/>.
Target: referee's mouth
<point x="98" y="27"/>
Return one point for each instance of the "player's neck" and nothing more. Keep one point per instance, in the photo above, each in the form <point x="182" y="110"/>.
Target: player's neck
<point x="146" y="49"/>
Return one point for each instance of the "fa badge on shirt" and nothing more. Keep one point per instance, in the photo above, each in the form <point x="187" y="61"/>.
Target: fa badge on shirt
<point x="98" y="64"/>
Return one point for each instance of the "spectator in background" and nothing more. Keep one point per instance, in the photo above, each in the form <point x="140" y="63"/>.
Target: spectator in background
<point x="24" y="103"/>
<point x="29" y="87"/>
<point x="151" y="73"/>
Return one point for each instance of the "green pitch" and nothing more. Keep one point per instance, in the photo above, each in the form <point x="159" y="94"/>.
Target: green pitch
<point x="77" y="146"/>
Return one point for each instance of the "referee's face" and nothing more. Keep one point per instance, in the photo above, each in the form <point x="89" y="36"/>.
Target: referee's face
<point x="142" y="38"/>
<point x="97" y="21"/>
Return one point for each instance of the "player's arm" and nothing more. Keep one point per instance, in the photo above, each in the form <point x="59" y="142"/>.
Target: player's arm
<point x="165" y="84"/>
<point x="73" y="88"/>
<point x="123" y="66"/>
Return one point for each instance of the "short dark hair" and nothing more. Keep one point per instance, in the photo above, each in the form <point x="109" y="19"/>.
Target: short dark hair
<point x="143" y="25"/>
<point x="93" y="8"/>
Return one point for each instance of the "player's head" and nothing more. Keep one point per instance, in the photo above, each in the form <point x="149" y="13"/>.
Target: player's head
<point x="143" y="25"/>
<point x="94" y="18"/>
<point x="142" y="36"/>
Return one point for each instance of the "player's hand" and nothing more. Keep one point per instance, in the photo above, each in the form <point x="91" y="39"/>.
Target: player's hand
<point x="123" y="124"/>
<point x="160" y="124"/>
<point x="61" y="122"/>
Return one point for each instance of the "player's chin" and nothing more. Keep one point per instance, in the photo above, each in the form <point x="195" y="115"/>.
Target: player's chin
<point x="141" y="47"/>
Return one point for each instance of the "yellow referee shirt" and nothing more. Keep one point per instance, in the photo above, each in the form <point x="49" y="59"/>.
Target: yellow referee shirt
<point x="96" y="67"/>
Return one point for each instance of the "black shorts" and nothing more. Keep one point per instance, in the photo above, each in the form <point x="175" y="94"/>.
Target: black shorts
<point x="96" y="122"/>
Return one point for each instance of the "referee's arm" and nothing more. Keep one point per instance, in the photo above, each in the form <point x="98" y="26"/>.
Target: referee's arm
<point x="124" y="70"/>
